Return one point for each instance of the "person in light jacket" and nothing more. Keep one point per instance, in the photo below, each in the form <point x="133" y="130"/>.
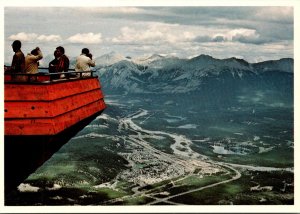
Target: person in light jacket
<point x="32" y="61"/>
<point x="84" y="62"/>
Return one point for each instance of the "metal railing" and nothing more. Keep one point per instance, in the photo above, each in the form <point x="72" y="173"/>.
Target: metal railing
<point x="46" y="76"/>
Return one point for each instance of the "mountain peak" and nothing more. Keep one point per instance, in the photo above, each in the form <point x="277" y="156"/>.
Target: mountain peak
<point x="144" y="60"/>
<point x="203" y="56"/>
<point x="239" y="60"/>
<point x="110" y="58"/>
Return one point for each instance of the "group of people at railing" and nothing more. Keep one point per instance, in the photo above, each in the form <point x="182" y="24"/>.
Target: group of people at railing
<point x="59" y="66"/>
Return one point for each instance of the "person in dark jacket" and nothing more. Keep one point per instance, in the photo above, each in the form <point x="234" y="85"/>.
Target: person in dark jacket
<point x="18" y="61"/>
<point x="60" y="63"/>
<point x="53" y="67"/>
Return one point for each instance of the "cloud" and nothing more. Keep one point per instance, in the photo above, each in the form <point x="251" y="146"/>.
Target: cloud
<point x="23" y="36"/>
<point x="241" y="35"/>
<point x="219" y="38"/>
<point x="86" y="38"/>
<point x="202" y="39"/>
<point x="275" y="14"/>
<point x="244" y="35"/>
<point x="153" y="33"/>
<point x="110" y="10"/>
<point x="248" y="36"/>
<point x="50" y="38"/>
<point x="29" y="37"/>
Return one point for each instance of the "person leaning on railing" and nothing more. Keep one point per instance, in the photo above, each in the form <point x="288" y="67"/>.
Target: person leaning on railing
<point x="84" y="61"/>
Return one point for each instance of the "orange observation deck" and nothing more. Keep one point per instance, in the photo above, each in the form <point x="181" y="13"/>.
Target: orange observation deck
<point x="41" y="114"/>
<point x="45" y="107"/>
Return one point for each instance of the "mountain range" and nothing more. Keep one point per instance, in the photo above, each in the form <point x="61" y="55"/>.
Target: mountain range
<point x="158" y="74"/>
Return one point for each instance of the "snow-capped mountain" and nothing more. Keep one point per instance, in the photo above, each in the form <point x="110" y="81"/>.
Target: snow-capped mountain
<point x="160" y="74"/>
<point x="124" y="74"/>
<point x="109" y="59"/>
<point x="145" y="60"/>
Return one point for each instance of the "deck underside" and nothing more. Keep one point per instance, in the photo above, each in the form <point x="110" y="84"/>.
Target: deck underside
<point x="24" y="154"/>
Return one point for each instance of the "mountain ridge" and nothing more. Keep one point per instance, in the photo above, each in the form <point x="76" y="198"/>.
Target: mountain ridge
<point x="174" y="75"/>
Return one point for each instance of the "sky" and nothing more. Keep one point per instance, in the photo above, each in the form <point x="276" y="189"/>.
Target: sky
<point x="251" y="33"/>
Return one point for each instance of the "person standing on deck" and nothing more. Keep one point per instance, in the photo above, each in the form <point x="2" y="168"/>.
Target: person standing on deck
<point x="84" y="62"/>
<point x="18" y="61"/>
<point x="52" y="66"/>
<point x="32" y="61"/>
<point x="61" y="61"/>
